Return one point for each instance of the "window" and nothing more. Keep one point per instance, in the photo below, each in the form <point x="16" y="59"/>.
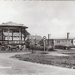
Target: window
<point x="58" y="41"/>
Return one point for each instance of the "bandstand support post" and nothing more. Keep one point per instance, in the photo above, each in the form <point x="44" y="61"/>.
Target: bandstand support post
<point x="8" y="38"/>
<point x="21" y="34"/>
<point x="2" y="36"/>
<point x="24" y="35"/>
<point x="19" y="38"/>
<point x="24" y="38"/>
<point x="12" y="35"/>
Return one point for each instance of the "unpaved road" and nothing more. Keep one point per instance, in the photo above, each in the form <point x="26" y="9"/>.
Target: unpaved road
<point x="14" y="66"/>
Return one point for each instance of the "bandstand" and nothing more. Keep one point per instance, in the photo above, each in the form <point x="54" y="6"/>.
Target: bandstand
<point x="12" y="33"/>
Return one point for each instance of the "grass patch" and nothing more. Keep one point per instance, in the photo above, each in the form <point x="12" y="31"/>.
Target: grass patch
<point x="62" y="61"/>
<point x="69" y="53"/>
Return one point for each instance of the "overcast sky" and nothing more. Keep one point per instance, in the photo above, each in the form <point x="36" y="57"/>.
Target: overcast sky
<point x="42" y="17"/>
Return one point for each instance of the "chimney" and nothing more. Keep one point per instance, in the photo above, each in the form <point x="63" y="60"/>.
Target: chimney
<point x="48" y="39"/>
<point x="48" y="36"/>
<point x="67" y="35"/>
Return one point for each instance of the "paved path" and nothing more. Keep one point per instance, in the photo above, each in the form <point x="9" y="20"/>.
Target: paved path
<point x="15" y="66"/>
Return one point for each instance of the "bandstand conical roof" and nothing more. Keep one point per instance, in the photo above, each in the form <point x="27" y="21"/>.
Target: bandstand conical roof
<point x="12" y="24"/>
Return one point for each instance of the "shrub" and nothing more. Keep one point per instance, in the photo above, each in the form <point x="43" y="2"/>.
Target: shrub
<point x="44" y="52"/>
<point x="17" y="56"/>
<point x="49" y="48"/>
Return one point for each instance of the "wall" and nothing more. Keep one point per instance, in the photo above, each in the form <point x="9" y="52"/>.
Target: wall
<point x="64" y="42"/>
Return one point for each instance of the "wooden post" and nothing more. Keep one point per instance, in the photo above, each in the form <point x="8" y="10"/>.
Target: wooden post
<point x="19" y="38"/>
<point x="8" y="38"/>
<point x="24" y="38"/>
<point x="21" y="34"/>
<point x="24" y="34"/>
<point x="12" y="35"/>
<point x="2" y="36"/>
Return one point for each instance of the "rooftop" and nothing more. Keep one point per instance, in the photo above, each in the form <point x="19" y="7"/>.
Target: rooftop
<point x="12" y="24"/>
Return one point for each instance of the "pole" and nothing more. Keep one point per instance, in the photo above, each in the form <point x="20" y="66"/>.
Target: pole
<point x="24" y="38"/>
<point x="21" y="34"/>
<point x="8" y="38"/>
<point x="2" y="36"/>
<point x="12" y="35"/>
<point x="19" y="38"/>
<point x="44" y="39"/>
<point x="44" y="45"/>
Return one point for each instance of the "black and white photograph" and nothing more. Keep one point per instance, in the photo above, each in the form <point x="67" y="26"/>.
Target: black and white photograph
<point x="37" y="37"/>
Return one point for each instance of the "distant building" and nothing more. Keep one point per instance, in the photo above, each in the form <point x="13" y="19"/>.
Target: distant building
<point x="66" y="42"/>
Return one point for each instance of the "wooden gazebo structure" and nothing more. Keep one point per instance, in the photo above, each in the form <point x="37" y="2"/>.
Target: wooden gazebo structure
<point x="12" y="33"/>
